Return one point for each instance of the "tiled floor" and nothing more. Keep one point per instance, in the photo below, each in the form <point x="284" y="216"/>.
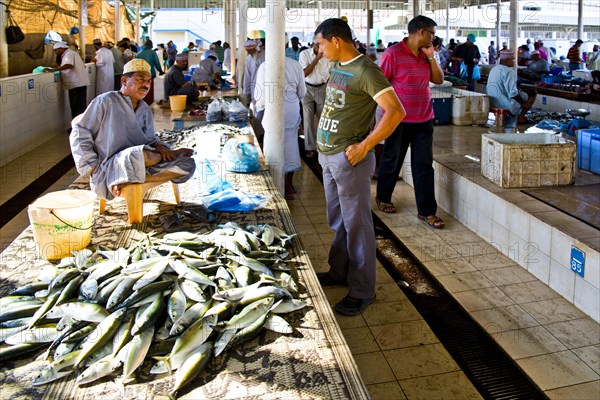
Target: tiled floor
<point x="398" y="355"/>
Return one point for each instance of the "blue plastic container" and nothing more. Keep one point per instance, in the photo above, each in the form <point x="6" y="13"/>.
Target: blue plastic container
<point x="442" y="110"/>
<point x="187" y="77"/>
<point x="551" y="79"/>
<point x="588" y="150"/>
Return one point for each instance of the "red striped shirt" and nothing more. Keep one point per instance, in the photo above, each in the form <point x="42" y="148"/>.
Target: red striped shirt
<point x="410" y="78"/>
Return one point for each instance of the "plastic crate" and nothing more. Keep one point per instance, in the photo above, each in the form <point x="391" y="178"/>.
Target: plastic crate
<point x="531" y="160"/>
<point x="588" y="150"/>
<point x="551" y="79"/>
<point x="442" y="108"/>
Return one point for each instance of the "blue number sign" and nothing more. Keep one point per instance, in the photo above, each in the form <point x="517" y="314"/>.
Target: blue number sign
<point x="577" y="261"/>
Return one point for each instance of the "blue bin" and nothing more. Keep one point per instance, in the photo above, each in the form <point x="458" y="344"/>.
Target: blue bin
<point x="187" y="77"/>
<point x="588" y="150"/>
<point x="442" y="110"/>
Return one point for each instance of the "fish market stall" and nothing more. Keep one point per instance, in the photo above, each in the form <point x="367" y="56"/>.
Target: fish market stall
<point x="217" y="266"/>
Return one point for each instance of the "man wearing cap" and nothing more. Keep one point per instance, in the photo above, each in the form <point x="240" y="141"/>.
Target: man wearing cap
<point x="208" y="70"/>
<point x="537" y="64"/>
<point x="73" y="76"/>
<point x="503" y="92"/>
<point x="105" y="68"/>
<point x="254" y="58"/>
<point x="175" y="83"/>
<point x="469" y="54"/>
<point x="316" y="74"/>
<point x="114" y="143"/>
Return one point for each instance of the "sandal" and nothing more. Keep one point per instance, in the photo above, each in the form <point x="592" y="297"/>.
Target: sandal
<point x="200" y="214"/>
<point x="388" y="208"/>
<point x="433" y="221"/>
<point x="172" y="222"/>
<point x="289" y="196"/>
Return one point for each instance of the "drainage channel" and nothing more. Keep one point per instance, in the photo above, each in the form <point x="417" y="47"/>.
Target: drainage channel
<point x="490" y="369"/>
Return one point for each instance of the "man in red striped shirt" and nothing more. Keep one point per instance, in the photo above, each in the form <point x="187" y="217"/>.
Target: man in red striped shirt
<point x="410" y="66"/>
<point x="574" y="56"/>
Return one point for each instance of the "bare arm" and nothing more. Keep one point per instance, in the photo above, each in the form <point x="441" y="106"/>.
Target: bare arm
<point x="60" y="68"/>
<point x="393" y="113"/>
<point x="437" y="75"/>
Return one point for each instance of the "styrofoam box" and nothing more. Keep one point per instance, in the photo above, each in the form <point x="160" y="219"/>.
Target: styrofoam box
<point x="527" y="160"/>
<point x="468" y="108"/>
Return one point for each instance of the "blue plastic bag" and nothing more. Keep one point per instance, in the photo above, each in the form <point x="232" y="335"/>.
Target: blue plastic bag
<point x="240" y="157"/>
<point x="210" y="179"/>
<point x="230" y="200"/>
<point x="463" y="72"/>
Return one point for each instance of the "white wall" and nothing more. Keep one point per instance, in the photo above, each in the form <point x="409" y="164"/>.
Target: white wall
<point x="29" y="115"/>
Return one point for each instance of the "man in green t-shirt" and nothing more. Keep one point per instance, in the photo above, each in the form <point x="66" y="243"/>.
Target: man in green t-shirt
<point x="345" y="140"/>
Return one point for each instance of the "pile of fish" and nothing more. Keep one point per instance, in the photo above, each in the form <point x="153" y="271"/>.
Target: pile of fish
<point x="177" y="301"/>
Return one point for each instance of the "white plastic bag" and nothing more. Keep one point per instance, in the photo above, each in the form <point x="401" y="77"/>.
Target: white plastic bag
<point x="213" y="113"/>
<point x="237" y="111"/>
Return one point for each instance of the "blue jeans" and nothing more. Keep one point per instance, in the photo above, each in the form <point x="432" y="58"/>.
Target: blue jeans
<point x="420" y="138"/>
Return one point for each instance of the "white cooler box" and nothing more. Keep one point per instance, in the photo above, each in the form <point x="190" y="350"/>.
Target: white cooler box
<point x="468" y="108"/>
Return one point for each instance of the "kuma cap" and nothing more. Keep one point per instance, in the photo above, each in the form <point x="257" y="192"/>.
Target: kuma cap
<point x="136" y="65"/>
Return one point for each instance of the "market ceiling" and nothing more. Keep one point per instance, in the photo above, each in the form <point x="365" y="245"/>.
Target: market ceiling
<point x="312" y="4"/>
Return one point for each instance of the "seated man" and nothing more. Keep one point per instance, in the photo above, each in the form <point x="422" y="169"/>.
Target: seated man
<point x="503" y="92"/>
<point x="114" y="144"/>
<point x="175" y="83"/>
<point x="207" y="70"/>
<point x="538" y="64"/>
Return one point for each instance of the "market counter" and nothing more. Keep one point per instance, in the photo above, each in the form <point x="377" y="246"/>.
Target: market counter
<point x="312" y="362"/>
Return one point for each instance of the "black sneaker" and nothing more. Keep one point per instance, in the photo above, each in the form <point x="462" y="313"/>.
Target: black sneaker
<point x="326" y="280"/>
<point x="352" y="306"/>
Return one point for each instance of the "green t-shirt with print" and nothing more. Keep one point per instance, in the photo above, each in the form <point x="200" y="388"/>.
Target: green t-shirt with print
<point x="349" y="104"/>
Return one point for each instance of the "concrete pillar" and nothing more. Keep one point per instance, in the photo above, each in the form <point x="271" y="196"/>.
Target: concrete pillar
<point x="273" y="90"/>
<point x="243" y="4"/>
<point x="448" y="21"/>
<point x="580" y="20"/>
<point x="369" y="21"/>
<point x="514" y="27"/>
<point x="233" y="35"/>
<point x="3" y="44"/>
<point x="498" y="28"/>
<point x="138" y="28"/>
<point x="117" y="21"/>
<point x="82" y="25"/>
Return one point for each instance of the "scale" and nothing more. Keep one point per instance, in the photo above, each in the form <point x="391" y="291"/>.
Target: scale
<point x="579" y="121"/>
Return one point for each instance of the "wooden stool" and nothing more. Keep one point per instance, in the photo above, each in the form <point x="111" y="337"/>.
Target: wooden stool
<point x="134" y="199"/>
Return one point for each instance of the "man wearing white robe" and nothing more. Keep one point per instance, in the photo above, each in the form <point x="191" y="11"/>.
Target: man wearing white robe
<point x="294" y="91"/>
<point x="105" y="68"/>
<point x="114" y="144"/>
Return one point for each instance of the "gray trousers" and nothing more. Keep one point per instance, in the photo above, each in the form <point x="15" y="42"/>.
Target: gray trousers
<point x="348" y="197"/>
<point x="312" y="105"/>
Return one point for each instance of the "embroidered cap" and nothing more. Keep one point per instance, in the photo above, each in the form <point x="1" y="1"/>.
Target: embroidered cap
<point x="136" y="65"/>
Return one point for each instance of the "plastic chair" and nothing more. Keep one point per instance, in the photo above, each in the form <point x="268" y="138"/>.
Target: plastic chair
<point x="134" y="199"/>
